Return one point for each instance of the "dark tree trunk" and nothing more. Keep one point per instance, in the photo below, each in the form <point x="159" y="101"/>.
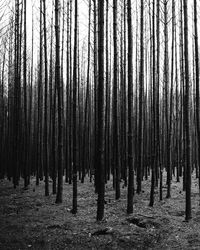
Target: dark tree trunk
<point x="60" y="106"/>
<point x="46" y="155"/>
<point x="115" y="105"/>
<point x="16" y="144"/>
<point x="25" y="106"/>
<point x="100" y="108"/>
<point x="95" y="98"/>
<point x="141" y="94"/>
<point x="166" y="84"/>
<point x="86" y="111"/>
<point x="74" y="209"/>
<point x="188" y="214"/>
<point x="196" y="39"/>
<point x="130" y="112"/>
<point x="154" y="149"/>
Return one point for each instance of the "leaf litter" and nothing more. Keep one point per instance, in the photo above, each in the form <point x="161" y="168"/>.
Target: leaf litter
<point x="29" y="220"/>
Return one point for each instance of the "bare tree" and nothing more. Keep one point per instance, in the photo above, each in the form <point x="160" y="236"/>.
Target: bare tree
<point x="188" y="214"/>
<point x="46" y="155"/>
<point x="100" y="105"/>
<point x="74" y="209"/>
<point x="60" y="105"/>
<point x="196" y="37"/>
<point x="115" y="105"/>
<point x="25" y="105"/>
<point x="130" y="112"/>
<point x="141" y="94"/>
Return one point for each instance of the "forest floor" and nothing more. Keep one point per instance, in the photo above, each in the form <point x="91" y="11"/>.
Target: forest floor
<point x="29" y="220"/>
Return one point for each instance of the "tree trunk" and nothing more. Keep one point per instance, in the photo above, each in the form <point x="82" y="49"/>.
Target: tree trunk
<point x="130" y="112"/>
<point x="25" y="107"/>
<point x="74" y="209"/>
<point x="100" y="108"/>
<point x="196" y="40"/>
<point x="141" y="94"/>
<point x="188" y="214"/>
<point x="60" y="105"/>
<point x="115" y="105"/>
<point x="154" y="148"/>
<point x="46" y="155"/>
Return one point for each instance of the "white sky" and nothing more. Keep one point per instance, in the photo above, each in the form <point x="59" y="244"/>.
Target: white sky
<point x="6" y="7"/>
<point x="33" y="5"/>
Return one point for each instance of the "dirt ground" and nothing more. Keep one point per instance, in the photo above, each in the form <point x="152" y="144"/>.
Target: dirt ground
<point x="29" y="220"/>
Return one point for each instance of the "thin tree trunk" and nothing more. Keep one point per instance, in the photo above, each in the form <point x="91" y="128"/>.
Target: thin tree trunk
<point x="60" y="105"/>
<point x="115" y="105"/>
<point x="154" y="149"/>
<point x="95" y="99"/>
<point x="130" y="112"/>
<point x="86" y="111"/>
<point x="166" y="84"/>
<point x="188" y="214"/>
<point x="46" y="155"/>
<point x="25" y="106"/>
<point x="196" y="40"/>
<point x="74" y="209"/>
<point x="158" y="98"/>
<point x="100" y="105"/>
<point x="16" y="145"/>
<point x="67" y="147"/>
<point x="141" y="94"/>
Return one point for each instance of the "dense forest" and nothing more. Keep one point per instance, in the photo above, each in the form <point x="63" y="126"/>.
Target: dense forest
<point x="100" y="92"/>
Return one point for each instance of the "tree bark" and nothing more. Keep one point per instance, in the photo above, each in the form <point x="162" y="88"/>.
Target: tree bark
<point x="130" y="112"/>
<point x="74" y="209"/>
<point x="188" y="214"/>
<point x="100" y="108"/>
<point x="60" y="106"/>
